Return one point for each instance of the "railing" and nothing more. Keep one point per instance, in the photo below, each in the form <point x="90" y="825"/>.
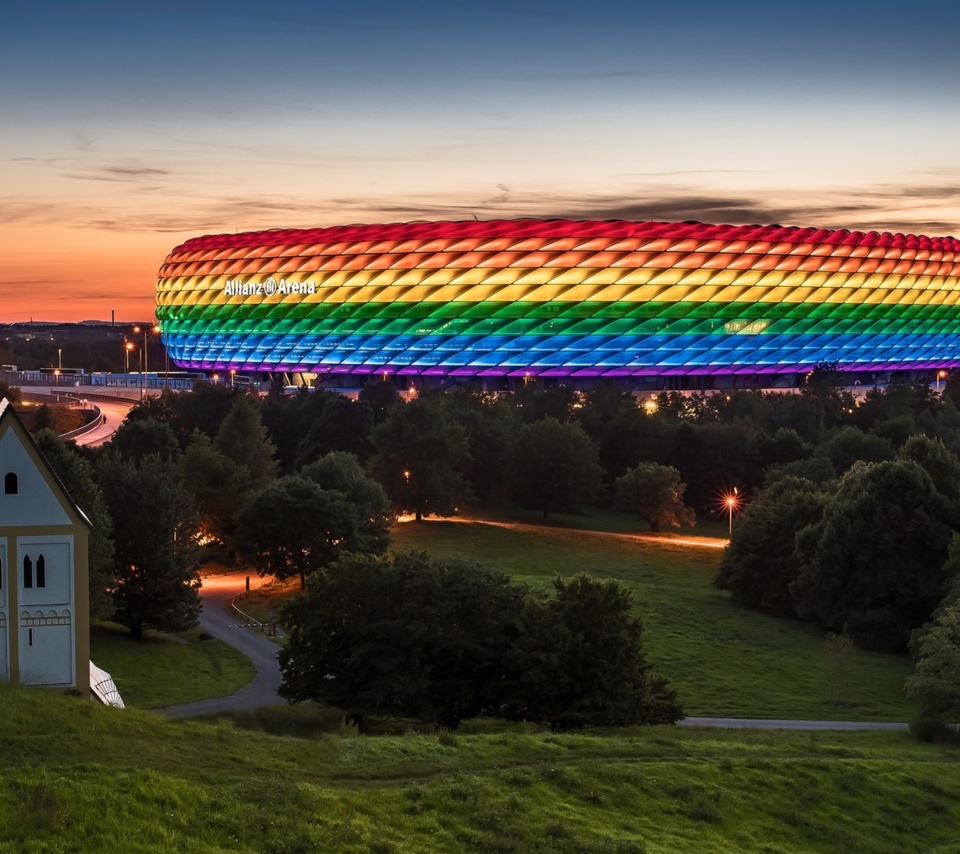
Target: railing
<point x="269" y="628"/>
<point x="86" y="428"/>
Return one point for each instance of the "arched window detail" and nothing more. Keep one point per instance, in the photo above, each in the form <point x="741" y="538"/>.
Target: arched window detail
<point x="11" y="485"/>
<point x="27" y="571"/>
<point x="41" y="571"/>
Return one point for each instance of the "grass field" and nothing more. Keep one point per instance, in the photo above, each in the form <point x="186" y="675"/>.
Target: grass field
<point x="724" y="660"/>
<point x="164" y="670"/>
<point x="78" y="777"/>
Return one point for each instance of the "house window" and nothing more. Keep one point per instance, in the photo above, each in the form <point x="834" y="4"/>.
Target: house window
<point x="27" y="571"/>
<point x="41" y="572"/>
<point x="10" y="484"/>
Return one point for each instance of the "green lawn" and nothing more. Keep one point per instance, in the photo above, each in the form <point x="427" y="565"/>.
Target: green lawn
<point x="165" y="670"/>
<point x="724" y="660"/>
<point x="78" y="777"/>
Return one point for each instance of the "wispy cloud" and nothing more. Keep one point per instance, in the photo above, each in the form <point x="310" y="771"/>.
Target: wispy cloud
<point x="120" y="174"/>
<point x="920" y="207"/>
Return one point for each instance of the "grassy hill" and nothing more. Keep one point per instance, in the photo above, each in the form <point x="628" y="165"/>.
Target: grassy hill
<point x="724" y="660"/>
<point x="80" y="777"/>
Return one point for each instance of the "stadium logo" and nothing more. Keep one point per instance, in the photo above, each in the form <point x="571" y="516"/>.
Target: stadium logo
<point x="240" y="288"/>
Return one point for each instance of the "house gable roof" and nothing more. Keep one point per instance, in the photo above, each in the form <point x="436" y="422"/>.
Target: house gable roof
<point x="50" y="498"/>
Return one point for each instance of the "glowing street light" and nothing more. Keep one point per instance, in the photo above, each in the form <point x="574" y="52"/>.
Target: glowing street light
<point x="733" y="502"/>
<point x="233" y="373"/>
<point x="940" y="376"/>
<point x="127" y="347"/>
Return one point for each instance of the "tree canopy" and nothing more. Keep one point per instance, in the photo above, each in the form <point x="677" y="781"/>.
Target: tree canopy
<point x="154" y="541"/>
<point x="412" y="636"/>
<point x="655" y="494"/>
<point x="420" y="457"/>
<point x="579" y="661"/>
<point x="404" y="636"/>
<point x="872" y="565"/>
<point x="761" y="563"/>
<point x="554" y="466"/>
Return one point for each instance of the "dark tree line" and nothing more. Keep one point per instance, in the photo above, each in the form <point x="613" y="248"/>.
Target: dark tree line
<point x="862" y="553"/>
<point x="443" y="641"/>
<point x="800" y="457"/>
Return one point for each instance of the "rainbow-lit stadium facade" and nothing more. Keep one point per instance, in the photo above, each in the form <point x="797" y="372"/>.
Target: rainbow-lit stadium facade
<point x="559" y="298"/>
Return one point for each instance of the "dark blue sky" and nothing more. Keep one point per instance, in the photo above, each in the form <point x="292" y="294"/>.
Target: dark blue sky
<point x="130" y="126"/>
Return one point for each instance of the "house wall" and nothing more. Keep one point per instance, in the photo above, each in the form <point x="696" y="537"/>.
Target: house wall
<point x="44" y="616"/>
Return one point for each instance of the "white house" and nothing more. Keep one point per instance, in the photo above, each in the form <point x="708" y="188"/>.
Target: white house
<point x="44" y="574"/>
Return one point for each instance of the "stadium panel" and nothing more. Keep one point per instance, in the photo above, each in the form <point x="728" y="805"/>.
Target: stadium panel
<point x="561" y="298"/>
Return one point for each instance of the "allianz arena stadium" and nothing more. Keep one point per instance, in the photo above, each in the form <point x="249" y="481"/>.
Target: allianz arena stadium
<point x="657" y="302"/>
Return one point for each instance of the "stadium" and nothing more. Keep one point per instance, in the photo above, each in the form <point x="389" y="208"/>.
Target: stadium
<point x="672" y="305"/>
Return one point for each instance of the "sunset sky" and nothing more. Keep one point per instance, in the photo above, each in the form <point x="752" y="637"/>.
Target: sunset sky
<point x="128" y="127"/>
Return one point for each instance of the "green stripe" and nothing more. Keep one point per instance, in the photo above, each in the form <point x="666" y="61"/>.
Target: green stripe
<point x="574" y="318"/>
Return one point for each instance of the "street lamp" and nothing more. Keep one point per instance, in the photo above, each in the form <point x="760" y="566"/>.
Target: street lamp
<point x="146" y="329"/>
<point x="233" y="373"/>
<point x="732" y="501"/>
<point x="940" y="376"/>
<point x="127" y="347"/>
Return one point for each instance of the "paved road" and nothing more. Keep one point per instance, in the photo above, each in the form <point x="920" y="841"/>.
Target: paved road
<point x="113" y="413"/>
<point x="222" y="622"/>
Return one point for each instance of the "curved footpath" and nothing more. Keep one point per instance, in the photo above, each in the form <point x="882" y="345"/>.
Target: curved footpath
<point x="221" y="621"/>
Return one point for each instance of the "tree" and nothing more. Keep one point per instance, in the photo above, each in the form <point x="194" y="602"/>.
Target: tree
<point x="294" y="527"/>
<point x="941" y="464"/>
<point x="935" y="683"/>
<point x="554" y="466"/>
<point x="216" y="484"/>
<point x="534" y="403"/>
<point x="579" y="661"/>
<point x="872" y="567"/>
<point x="343" y="425"/>
<point x="243" y="439"/>
<point x="714" y="457"/>
<point x="624" y="433"/>
<point x="341" y="471"/>
<point x="154" y="536"/>
<point x="408" y="636"/>
<point x="142" y="437"/>
<point x="654" y="493"/>
<point x="824" y="386"/>
<point x="761" y="563"/>
<point x="490" y="424"/>
<point x="850" y="445"/>
<point x="203" y="408"/>
<point x="77" y="476"/>
<point x="10" y="392"/>
<point x="382" y="396"/>
<point x="420" y="457"/>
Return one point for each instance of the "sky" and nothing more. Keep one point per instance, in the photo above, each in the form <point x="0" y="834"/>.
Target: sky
<point x="129" y="127"/>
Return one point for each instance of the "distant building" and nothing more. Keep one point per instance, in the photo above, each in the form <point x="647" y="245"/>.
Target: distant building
<point x="650" y="302"/>
<point x="44" y="595"/>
